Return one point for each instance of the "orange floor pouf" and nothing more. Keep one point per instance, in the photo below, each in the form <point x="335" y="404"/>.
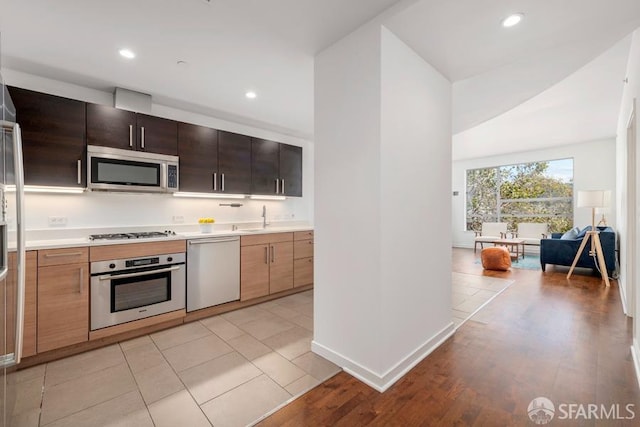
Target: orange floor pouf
<point x="497" y="258"/>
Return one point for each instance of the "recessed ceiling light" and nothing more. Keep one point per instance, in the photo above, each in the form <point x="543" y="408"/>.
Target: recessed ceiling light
<point x="251" y="94"/>
<point x="512" y="20"/>
<point x="127" y="53"/>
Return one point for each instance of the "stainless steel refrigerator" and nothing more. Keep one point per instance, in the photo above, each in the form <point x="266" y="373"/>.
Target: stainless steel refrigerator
<point x="12" y="281"/>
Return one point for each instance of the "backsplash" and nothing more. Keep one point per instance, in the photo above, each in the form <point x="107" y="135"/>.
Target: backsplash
<point x="107" y="210"/>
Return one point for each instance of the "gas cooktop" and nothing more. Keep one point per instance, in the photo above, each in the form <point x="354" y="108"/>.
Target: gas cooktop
<point x="125" y="236"/>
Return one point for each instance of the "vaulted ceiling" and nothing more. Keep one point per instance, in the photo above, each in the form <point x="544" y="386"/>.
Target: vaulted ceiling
<point x="231" y="47"/>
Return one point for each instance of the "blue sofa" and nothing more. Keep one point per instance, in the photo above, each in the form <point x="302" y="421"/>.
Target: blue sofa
<point x="562" y="251"/>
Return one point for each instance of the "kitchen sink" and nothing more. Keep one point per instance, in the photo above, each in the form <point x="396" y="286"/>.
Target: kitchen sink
<point x="252" y="230"/>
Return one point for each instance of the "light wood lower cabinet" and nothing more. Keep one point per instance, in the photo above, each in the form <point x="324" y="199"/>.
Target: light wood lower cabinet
<point x="63" y="300"/>
<point x="266" y="264"/>
<point x="254" y="271"/>
<point x="281" y="267"/>
<point x="30" y="307"/>
<point x="30" y="298"/>
<point x="302" y="272"/>
<point x="303" y="258"/>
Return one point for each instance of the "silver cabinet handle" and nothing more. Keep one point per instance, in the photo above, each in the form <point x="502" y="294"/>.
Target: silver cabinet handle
<point x="81" y="280"/>
<point x="282" y="186"/>
<point x="277" y="186"/>
<point x="142" y="273"/>
<point x="222" y="182"/>
<point x="215" y="181"/>
<point x="142" y="137"/>
<point x="79" y="171"/>
<point x="273" y="253"/>
<point x="266" y="257"/>
<point x="130" y="135"/>
<point x="62" y="254"/>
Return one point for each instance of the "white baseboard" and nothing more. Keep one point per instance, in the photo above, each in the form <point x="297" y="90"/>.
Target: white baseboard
<point x="623" y="296"/>
<point x="382" y="382"/>
<point x="635" y="354"/>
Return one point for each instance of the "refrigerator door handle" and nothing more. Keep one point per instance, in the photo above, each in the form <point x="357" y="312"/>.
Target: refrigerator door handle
<point x="20" y="234"/>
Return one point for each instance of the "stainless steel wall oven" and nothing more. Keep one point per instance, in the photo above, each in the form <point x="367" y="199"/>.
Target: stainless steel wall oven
<point x="124" y="290"/>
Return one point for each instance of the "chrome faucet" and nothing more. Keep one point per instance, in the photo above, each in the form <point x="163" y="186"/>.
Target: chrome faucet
<point x="264" y="216"/>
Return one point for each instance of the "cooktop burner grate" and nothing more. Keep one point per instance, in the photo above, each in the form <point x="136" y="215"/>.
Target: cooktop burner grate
<point x="124" y="236"/>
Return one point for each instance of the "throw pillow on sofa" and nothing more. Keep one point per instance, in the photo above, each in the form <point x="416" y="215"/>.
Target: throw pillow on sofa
<point x="571" y="234"/>
<point x="583" y="233"/>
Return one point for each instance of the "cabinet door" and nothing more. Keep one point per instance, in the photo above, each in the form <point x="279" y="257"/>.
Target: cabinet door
<point x="265" y="167"/>
<point x="157" y="135"/>
<point x="302" y="272"/>
<point x="111" y="127"/>
<point x="198" y="151"/>
<point x="63" y="305"/>
<point x="30" y="302"/>
<point x="291" y="169"/>
<point x="281" y="266"/>
<point x="53" y="138"/>
<point x="254" y="271"/>
<point x="234" y="162"/>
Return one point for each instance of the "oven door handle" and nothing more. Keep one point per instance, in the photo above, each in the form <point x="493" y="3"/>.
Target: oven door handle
<point x="142" y="273"/>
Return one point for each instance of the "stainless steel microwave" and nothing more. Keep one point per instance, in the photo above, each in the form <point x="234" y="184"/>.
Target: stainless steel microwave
<point x="123" y="170"/>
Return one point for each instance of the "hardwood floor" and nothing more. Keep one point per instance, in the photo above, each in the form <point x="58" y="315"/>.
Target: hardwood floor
<point x="546" y="336"/>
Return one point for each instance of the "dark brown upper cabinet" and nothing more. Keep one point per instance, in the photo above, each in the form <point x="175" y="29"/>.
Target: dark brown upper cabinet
<point x="112" y="127"/>
<point x="265" y="167"/>
<point x="234" y="163"/>
<point x="198" y="151"/>
<point x="276" y="168"/>
<point x="53" y="138"/>
<point x="291" y="170"/>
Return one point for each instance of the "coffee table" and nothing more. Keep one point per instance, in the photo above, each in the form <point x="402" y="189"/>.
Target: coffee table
<point x="514" y="246"/>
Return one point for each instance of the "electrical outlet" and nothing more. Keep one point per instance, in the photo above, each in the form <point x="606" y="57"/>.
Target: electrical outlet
<point x="57" y="221"/>
<point x="178" y="219"/>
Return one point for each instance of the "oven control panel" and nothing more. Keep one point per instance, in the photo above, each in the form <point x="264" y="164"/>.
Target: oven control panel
<point x="142" y="262"/>
<point x="116" y="266"/>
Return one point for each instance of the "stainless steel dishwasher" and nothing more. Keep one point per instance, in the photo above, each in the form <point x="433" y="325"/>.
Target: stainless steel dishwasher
<point x="213" y="271"/>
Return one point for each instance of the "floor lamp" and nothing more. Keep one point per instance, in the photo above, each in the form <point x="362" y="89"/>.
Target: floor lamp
<point x="592" y="199"/>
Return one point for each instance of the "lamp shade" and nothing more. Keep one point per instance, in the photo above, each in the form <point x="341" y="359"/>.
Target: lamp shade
<point x="594" y="198"/>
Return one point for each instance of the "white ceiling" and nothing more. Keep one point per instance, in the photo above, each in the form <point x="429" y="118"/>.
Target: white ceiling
<point x="231" y="46"/>
<point x="583" y="107"/>
<point x="268" y="46"/>
<point x="496" y="68"/>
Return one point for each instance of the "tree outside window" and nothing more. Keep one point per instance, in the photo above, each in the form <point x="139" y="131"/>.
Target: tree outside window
<point x="527" y="192"/>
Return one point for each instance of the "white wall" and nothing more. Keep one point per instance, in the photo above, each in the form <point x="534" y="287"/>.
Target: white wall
<point x="347" y="206"/>
<point x="383" y="135"/>
<point x="112" y="209"/>
<point x="415" y="185"/>
<point x="594" y="168"/>
<point x="631" y="93"/>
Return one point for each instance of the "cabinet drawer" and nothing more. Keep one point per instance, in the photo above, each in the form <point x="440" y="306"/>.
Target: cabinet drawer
<point x="133" y="250"/>
<point x="262" y="239"/>
<point x="302" y="272"/>
<point x="303" y="249"/>
<point x="303" y="235"/>
<point x="49" y="257"/>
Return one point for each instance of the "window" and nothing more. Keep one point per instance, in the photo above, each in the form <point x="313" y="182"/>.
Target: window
<point x="526" y="192"/>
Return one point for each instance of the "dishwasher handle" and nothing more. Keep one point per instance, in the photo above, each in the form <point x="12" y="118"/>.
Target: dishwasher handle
<point x="221" y="240"/>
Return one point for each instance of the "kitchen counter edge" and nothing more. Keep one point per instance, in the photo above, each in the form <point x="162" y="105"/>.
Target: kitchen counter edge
<point x="74" y="243"/>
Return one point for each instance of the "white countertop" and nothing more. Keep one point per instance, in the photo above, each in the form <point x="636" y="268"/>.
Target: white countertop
<point x="35" y="244"/>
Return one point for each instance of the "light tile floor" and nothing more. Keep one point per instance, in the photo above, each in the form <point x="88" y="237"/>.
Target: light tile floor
<point x="227" y="370"/>
<point x="469" y="293"/>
